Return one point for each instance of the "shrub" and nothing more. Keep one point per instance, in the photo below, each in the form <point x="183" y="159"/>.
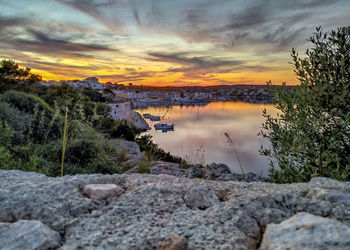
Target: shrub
<point x="82" y="156"/>
<point x="123" y="129"/>
<point x="14" y="77"/>
<point x="30" y="115"/>
<point x="19" y="122"/>
<point x="146" y="144"/>
<point x="144" y="167"/>
<point x="311" y="135"/>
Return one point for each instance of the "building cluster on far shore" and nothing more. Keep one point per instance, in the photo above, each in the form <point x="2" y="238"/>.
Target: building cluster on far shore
<point x="126" y="98"/>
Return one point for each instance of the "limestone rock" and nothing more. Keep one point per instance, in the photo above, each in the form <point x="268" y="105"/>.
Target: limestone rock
<point x="154" y="207"/>
<point x="214" y="170"/>
<point x="169" y="168"/>
<point x="228" y="177"/>
<point x="307" y="231"/>
<point x="130" y="147"/>
<point x="329" y="195"/>
<point x="27" y="235"/>
<point x="133" y="155"/>
<point x="102" y="191"/>
<point x="138" y="121"/>
<point x="201" y="197"/>
<point x="173" y="242"/>
<point x="193" y="172"/>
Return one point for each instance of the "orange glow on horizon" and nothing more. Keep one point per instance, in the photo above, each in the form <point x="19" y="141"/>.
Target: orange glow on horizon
<point x="176" y="79"/>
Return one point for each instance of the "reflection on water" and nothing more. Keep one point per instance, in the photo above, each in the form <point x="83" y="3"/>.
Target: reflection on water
<point x="199" y="133"/>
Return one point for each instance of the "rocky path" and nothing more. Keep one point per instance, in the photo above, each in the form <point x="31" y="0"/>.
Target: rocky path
<point x="167" y="212"/>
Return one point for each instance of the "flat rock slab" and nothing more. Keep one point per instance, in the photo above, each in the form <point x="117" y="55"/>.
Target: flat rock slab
<point x="153" y="207"/>
<point x="307" y="231"/>
<point x="28" y="235"/>
<point x="102" y="191"/>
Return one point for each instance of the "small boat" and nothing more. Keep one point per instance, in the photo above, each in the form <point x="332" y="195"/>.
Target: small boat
<point x="154" y="118"/>
<point x="164" y="126"/>
<point x="151" y="117"/>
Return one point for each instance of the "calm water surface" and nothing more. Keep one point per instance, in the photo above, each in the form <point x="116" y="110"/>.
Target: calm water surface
<point x="199" y="133"/>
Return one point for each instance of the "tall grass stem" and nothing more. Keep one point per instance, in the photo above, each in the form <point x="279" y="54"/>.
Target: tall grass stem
<point x="230" y="142"/>
<point x="64" y="140"/>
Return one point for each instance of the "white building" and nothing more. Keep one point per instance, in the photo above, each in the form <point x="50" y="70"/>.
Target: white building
<point x="120" y="111"/>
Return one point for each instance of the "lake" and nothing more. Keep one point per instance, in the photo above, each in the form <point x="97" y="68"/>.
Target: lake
<point x="199" y="135"/>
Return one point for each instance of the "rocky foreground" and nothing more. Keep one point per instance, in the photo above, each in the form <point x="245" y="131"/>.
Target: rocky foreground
<point x="167" y="212"/>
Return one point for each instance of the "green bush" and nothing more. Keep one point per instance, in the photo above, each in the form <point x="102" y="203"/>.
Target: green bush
<point x="146" y="144"/>
<point x="144" y="167"/>
<point x="14" y="77"/>
<point x="31" y="116"/>
<point x="311" y="135"/>
<point x="83" y="156"/>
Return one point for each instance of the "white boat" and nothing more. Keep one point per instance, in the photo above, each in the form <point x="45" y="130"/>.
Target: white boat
<point x="164" y="126"/>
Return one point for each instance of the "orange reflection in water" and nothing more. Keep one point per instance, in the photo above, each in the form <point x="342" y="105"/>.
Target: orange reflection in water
<point x="199" y="133"/>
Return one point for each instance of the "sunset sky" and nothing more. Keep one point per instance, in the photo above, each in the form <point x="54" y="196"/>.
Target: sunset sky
<point x="164" y="42"/>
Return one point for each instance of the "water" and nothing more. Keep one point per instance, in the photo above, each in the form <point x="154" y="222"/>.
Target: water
<point x="199" y="133"/>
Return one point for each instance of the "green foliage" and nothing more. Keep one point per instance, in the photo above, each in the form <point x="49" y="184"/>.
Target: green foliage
<point x="31" y="117"/>
<point x="32" y="139"/>
<point x="311" y="135"/>
<point x="146" y="144"/>
<point x="96" y="96"/>
<point x="144" y="167"/>
<point x="67" y="97"/>
<point x="14" y="77"/>
<point x="123" y="129"/>
<point x="96" y="115"/>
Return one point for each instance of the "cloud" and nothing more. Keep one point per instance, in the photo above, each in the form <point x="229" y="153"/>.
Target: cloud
<point x="104" y="12"/>
<point x="12" y="21"/>
<point x="43" y="43"/>
<point x="135" y="77"/>
<point x="252" y="16"/>
<point x="195" y="61"/>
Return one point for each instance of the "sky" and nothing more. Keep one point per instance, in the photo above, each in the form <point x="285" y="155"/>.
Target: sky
<point x="164" y="42"/>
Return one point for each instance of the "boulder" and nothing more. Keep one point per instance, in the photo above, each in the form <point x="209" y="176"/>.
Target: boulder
<point x="133" y="160"/>
<point x="130" y="147"/>
<point x="28" y="235"/>
<point x="201" y="197"/>
<point x="173" y="242"/>
<point x="169" y="168"/>
<point x="306" y="231"/>
<point x="331" y="195"/>
<point x="133" y="155"/>
<point x="102" y="191"/>
<point x="193" y="172"/>
<point x="214" y="171"/>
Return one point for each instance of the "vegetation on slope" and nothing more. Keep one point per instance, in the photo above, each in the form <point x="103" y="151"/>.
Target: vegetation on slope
<point x="311" y="136"/>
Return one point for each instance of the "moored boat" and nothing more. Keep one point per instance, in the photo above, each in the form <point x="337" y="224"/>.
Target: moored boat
<point x="151" y="117"/>
<point x="164" y="126"/>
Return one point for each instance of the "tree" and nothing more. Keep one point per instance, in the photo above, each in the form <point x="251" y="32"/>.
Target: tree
<point x="311" y="135"/>
<point x="14" y="77"/>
